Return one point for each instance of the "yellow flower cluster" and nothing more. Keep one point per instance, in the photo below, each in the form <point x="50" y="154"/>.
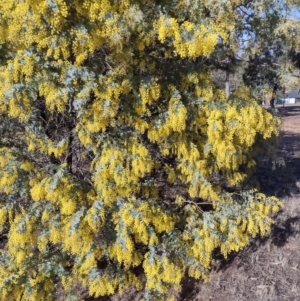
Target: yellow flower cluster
<point x="148" y="94"/>
<point x="201" y="249"/>
<point x="17" y="104"/>
<point x="125" y="253"/>
<point x="136" y="220"/>
<point x="45" y="145"/>
<point x="117" y="172"/>
<point x="230" y="132"/>
<point x="3" y="217"/>
<point x="61" y="193"/>
<point x="174" y="122"/>
<point x="103" y="110"/>
<point x="105" y="285"/>
<point x="189" y="40"/>
<point x="8" y="170"/>
<point x="161" y="271"/>
<point x="21" y="239"/>
<point x="27" y="165"/>
<point x="54" y="98"/>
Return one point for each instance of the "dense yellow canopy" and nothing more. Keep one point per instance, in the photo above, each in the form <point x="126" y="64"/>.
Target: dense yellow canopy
<point x="112" y="137"/>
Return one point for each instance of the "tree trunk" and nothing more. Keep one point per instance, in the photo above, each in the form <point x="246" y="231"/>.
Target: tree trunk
<point x="227" y="88"/>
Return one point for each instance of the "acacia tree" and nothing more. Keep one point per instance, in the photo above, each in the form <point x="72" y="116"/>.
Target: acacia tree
<point x="120" y="161"/>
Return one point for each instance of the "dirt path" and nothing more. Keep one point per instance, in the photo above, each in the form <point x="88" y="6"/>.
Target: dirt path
<point x="269" y="269"/>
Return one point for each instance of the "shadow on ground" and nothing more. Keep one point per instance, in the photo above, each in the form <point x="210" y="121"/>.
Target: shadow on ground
<point x="281" y="233"/>
<point x="280" y="175"/>
<point x="290" y="110"/>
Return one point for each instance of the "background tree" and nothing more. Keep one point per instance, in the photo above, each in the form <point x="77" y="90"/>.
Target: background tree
<point x="263" y="71"/>
<point x="280" y="35"/>
<point x="121" y="162"/>
<point x="252" y="46"/>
